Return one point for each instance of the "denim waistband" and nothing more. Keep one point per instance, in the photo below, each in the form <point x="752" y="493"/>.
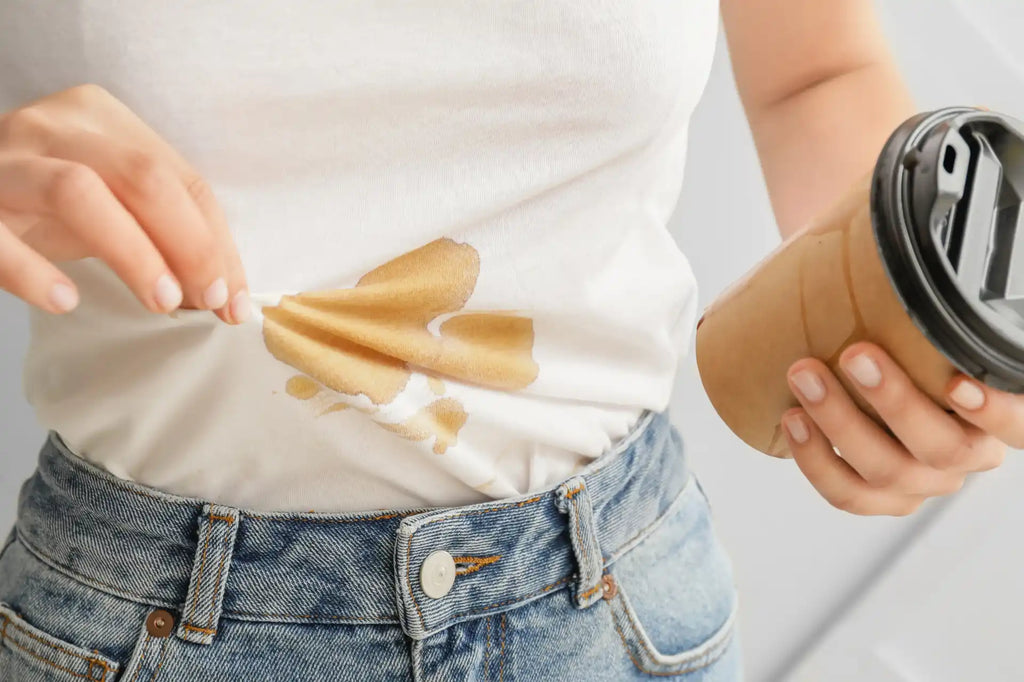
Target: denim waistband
<point x="209" y="561"/>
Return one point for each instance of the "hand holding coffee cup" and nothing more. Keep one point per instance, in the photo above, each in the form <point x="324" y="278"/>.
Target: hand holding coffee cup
<point x="891" y="329"/>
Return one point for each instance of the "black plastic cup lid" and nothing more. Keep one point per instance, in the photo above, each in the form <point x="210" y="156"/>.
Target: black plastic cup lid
<point x="946" y="206"/>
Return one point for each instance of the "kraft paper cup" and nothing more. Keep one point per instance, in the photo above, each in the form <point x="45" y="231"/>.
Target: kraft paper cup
<point x="924" y="257"/>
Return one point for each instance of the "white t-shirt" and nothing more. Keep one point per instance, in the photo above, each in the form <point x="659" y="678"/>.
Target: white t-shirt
<point x="452" y="218"/>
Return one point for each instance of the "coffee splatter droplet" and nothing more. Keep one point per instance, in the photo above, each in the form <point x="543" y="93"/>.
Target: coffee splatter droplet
<point x="336" y="407"/>
<point x="301" y="387"/>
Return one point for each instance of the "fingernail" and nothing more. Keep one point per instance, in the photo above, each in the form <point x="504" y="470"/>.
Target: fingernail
<point x="796" y="427"/>
<point x="168" y="293"/>
<point x="967" y="395"/>
<point x="809" y="385"/>
<point x="240" y="307"/>
<point x="216" y="295"/>
<point x="864" y="370"/>
<point x="63" y="297"/>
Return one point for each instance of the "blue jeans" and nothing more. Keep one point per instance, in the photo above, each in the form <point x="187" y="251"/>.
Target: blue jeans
<point x="615" y="574"/>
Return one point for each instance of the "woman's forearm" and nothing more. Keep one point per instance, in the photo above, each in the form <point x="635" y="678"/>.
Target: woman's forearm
<point x="821" y="96"/>
<point x="815" y="144"/>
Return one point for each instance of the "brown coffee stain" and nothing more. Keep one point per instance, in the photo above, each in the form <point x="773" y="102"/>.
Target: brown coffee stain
<point x="369" y="339"/>
<point x="497" y="346"/>
<point x="301" y="387"/>
<point x="335" y="407"/>
<point x="442" y="418"/>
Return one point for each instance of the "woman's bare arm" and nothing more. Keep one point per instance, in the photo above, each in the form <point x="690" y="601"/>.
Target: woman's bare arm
<point x="821" y="93"/>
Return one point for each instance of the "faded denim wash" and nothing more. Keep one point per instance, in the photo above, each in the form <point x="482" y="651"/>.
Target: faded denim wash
<point x="615" y="574"/>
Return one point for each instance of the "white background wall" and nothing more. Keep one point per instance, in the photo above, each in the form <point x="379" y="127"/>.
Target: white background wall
<point x="800" y="564"/>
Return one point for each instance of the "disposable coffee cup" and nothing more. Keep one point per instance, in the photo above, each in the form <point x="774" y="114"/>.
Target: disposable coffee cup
<point x="924" y="257"/>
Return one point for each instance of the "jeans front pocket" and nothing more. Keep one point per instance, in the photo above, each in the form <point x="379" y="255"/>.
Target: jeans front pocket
<point x="674" y="601"/>
<point x="28" y="653"/>
<point x="55" y="628"/>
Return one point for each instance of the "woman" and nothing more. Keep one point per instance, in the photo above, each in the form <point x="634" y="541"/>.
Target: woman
<point x="355" y="325"/>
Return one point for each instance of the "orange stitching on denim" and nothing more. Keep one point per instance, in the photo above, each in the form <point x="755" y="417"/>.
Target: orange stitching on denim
<point x="513" y="601"/>
<point x="199" y="576"/>
<point x="475" y="563"/>
<point x="591" y="591"/>
<point x="570" y="493"/>
<point x="216" y="583"/>
<point x="408" y="567"/>
<point x="228" y="519"/>
<point x="495" y="605"/>
<point x="142" y="657"/>
<point x="3" y="635"/>
<point x="47" y="661"/>
<point x="501" y="666"/>
<point x="160" y="661"/>
<point x="40" y="640"/>
<point x="408" y="580"/>
<point x="195" y="628"/>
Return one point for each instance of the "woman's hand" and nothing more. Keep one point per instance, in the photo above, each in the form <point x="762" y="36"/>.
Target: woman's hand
<point x="932" y="451"/>
<point x="81" y="175"/>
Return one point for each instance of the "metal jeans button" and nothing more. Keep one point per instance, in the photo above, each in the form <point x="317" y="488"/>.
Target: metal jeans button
<point x="159" y="624"/>
<point x="437" y="575"/>
<point x="609" y="586"/>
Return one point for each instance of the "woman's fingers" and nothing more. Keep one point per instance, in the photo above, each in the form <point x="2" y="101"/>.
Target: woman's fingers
<point x="151" y="190"/>
<point x="77" y="196"/>
<point x="30" y="277"/>
<point x="237" y="308"/>
<point x="115" y="115"/>
<point x="996" y="412"/>
<point x="929" y="451"/>
<point x="879" y="460"/>
<point x="928" y="432"/>
<point x="834" y="478"/>
<point x="171" y="205"/>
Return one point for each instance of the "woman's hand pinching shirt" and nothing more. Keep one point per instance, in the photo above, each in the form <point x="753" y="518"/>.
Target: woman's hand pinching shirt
<point x="81" y="175"/>
<point x="929" y="452"/>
